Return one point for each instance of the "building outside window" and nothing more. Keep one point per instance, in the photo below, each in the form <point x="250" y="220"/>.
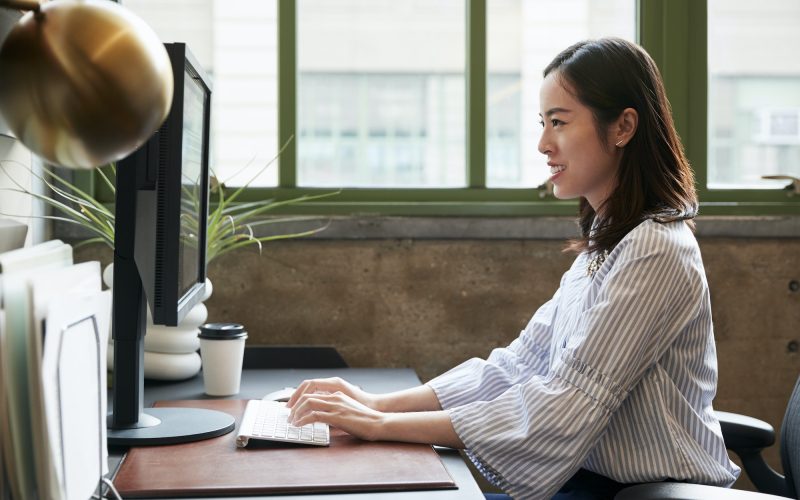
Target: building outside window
<point x="753" y="92"/>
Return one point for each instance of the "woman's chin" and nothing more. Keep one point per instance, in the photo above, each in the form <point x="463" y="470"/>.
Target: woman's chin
<point x="563" y="194"/>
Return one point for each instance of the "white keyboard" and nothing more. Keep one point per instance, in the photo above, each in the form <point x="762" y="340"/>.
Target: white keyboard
<point x="268" y="420"/>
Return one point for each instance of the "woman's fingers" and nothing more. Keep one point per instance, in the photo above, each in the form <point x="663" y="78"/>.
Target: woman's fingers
<point x="307" y="387"/>
<point x="308" y="403"/>
<point x="312" y="410"/>
<point x="325" y="385"/>
<point x="338" y="410"/>
<point x="301" y="389"/>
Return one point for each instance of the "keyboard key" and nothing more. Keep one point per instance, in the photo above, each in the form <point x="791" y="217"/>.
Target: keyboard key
<point x="267" y="420"/>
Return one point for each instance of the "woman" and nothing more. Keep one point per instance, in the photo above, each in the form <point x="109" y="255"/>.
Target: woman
<point x="611" y="382"/>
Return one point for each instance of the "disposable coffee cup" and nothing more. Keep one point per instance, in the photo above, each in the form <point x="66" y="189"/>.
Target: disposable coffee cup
<point x="222" y="351"/>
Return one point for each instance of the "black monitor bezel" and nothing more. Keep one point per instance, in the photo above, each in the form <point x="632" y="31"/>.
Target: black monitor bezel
<point x="167" y="305"/>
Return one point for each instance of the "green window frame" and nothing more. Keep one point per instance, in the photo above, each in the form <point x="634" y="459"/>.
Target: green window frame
<point x="674" y="32"/>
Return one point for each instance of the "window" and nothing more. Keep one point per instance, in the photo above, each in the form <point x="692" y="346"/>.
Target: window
<point x="236" y="43"/>
<point x="429" y="107"/>
<point x="754" y="92"/>
<point x="381" y="93"/>
<point x="523" y="36"/>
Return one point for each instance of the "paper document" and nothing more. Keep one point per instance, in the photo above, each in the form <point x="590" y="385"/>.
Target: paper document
<point x="50" y="254"/>
<point x="18" y="340"/>
<point x="7" y="470"/>
<point x="74" y="383"/>
<point x="45" y="287"/>
<point x="23" y="258"/>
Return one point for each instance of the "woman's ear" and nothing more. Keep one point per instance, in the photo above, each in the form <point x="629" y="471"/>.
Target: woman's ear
<point x="625" y="127"/>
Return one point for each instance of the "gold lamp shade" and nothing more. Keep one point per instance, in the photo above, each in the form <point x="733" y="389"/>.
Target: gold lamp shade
<point x="83" y="82"/>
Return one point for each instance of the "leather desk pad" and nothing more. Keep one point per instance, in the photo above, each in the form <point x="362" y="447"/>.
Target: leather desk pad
<point x="217" y="467"/>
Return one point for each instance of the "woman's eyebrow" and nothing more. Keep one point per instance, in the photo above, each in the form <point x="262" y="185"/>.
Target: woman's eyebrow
<point x="552" y="111"/>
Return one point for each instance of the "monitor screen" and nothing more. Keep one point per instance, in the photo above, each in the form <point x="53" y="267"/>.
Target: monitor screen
<point x="178" y="210"/>
<point x="160" y="256"/>
<point x="193" y="145"/>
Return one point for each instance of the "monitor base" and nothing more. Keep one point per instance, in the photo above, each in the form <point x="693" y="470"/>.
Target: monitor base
<point x="177" y="425"/>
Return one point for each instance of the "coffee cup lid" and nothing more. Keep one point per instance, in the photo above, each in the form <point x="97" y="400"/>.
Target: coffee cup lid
<point x="222" y="331"/>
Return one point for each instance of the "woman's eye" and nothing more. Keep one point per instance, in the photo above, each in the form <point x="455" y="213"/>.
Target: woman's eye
<point x="554" y="122"/>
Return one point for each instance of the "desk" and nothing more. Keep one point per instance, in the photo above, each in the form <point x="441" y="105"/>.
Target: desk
<point x="256" y="383"/>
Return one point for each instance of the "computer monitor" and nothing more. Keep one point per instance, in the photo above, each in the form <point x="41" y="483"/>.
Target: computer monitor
<point x="160" y="256"/>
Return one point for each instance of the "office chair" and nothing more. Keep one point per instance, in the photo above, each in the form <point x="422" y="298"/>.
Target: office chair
<point x="746" y="437"/>
<point x="292" y="356"/>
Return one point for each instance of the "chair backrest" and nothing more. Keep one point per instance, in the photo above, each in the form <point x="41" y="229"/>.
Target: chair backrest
<point x="790" y="442"/>
<point x="292" y="356"/>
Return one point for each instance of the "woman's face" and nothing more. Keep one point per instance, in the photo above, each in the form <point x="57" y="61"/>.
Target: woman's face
<point x="581" y="164"/>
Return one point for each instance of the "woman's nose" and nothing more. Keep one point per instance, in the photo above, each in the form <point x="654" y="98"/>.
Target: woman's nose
<point x="544" y="143"/>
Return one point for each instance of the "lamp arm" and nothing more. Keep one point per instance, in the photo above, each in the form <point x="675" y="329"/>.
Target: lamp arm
<point x="33" y="5"/>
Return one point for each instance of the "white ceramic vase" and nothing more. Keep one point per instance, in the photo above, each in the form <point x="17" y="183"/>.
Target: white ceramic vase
<point x="170" y="352"/>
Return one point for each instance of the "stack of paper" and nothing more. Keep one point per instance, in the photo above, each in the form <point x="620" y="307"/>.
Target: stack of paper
<point x="53" y="336"/>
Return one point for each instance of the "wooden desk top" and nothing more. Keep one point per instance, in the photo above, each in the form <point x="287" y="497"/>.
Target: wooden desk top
<point x="256" y="383"/>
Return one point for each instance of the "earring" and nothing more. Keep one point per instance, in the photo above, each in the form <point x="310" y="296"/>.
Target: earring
<point x="618" y="143"/>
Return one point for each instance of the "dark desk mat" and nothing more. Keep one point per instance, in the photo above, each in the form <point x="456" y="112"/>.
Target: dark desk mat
<point x="217" y="467"/>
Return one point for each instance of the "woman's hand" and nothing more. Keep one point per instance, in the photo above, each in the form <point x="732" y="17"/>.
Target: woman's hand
<point x="338" y="410"/>
<point x="412" y="415"/>
<point x="330" y="386"/>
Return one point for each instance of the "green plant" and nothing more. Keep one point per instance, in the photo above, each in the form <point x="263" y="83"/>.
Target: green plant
<point x="230" y="223"/>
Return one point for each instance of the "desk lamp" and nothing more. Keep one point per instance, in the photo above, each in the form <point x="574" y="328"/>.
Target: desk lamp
<point x="84" y="82"/>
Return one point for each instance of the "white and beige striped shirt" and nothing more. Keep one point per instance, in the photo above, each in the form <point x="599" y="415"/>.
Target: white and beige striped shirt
<point x="615" y="374"/>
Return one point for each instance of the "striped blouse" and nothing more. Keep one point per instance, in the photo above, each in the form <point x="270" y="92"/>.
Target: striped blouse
<point x="614" y="374"/>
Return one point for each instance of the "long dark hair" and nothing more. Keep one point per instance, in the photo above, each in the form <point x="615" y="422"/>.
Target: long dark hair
<point x="654" y="180"/>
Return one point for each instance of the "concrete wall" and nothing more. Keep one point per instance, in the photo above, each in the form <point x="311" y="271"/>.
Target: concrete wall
<point x="432" y="303"/>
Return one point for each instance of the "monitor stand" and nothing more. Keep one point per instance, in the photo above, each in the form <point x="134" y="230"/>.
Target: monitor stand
<point x="129" y="424"/>
<point x="171" y="426"/>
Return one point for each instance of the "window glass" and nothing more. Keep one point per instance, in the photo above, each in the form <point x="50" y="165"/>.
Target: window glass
<point x="381" y="93"/>
<point x="236" y="43"/>
<point x="523" y="36"/>
<point x="753" y="92"/>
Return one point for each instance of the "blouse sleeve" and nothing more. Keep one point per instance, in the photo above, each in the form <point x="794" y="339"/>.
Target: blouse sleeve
<point x="536" y="434"/>
<point x="483" y="380"/>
